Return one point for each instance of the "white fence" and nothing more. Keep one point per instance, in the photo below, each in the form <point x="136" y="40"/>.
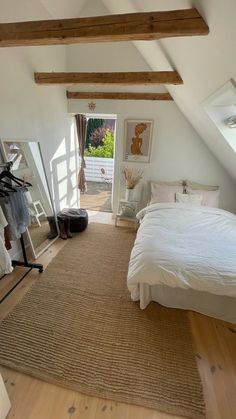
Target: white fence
<point x="94" y="166"/>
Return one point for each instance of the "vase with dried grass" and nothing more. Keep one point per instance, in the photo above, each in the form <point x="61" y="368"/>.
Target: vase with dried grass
<point x="132" y="178"/>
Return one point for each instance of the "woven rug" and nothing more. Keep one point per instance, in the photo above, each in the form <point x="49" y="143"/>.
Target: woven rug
<point x="77" y="327"/>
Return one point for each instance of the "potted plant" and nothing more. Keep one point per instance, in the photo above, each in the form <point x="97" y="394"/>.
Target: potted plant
<point x="132" y="178"/>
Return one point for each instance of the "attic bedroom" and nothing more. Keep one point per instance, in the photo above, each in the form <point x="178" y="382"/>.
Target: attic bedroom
<point x="117" y="209"/>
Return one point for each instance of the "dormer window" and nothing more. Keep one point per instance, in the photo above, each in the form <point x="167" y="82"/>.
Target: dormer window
<point x="221" y="108"/>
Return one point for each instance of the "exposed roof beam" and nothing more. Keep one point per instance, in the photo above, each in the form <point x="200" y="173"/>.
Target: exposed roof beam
<point x="124" y="78"/>
<point x="119" y="95"/>
<point x="122" y="27"/>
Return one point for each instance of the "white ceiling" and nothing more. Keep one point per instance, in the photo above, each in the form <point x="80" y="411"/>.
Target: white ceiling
<point x="63" y="9"/>
<point x="205" y="63"/>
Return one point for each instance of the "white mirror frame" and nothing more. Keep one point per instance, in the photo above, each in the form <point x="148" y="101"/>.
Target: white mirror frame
<point x="3" y="151"/>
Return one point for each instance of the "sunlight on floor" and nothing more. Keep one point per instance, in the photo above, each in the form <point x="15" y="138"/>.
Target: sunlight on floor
<point x="100" y="217"/>
<point x="97" y="197"/>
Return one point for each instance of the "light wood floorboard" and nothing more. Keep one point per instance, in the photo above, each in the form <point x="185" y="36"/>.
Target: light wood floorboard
<point x="215" y="348"/>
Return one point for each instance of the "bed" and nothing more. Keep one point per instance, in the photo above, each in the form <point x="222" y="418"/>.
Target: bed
<point x="184" y="256"/>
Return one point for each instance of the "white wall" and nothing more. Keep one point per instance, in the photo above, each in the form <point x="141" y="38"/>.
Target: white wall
<point x="205" y="63"/>
<point x="28" y="111"/>
<point x="40" y="112"/>
<point x="177" y="150"/>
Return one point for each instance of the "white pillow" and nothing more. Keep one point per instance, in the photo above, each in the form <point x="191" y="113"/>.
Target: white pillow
<point x="210" y="198"/>
<point x="201" y="187"/>
<point x="164" y="193"/>
<point x="194" y="199"/>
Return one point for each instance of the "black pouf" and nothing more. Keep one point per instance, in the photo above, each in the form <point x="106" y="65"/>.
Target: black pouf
<point x="78" y="218"/>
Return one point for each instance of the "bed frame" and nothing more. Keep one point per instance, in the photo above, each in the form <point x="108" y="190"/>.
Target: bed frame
<point x="218" y="306"/>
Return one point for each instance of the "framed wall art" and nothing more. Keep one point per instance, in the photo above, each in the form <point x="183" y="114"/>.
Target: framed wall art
<point x="138" y="140"/>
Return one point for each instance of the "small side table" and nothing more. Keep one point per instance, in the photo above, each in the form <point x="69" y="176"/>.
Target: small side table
<point x="127" y="212"/>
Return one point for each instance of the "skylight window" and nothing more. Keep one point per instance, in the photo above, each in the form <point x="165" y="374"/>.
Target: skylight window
<point x="221" y="108"/>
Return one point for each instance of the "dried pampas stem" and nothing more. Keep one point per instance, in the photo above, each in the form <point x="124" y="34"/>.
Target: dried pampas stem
<point x="132" y="177"/>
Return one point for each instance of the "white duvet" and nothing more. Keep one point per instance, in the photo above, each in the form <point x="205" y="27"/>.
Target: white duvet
<point x="184" y="246"/>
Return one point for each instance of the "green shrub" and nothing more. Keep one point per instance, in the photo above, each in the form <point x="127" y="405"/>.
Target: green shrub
<point x="93" y="125"/>
<point x="105" y="150"/>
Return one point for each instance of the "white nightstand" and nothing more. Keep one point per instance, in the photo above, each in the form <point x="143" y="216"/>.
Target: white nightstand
<point x="127" y="212"/>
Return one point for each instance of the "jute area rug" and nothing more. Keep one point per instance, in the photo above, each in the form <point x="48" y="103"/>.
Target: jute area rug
<point x="77" y="327"/>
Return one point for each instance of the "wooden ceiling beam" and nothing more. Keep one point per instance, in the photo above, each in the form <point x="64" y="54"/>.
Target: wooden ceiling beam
<point x="110" y="28"/>
<point x="124" y="78"/>
<point x="119" y="95"/>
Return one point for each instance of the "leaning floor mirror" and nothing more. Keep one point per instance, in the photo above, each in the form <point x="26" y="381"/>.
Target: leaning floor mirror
<point x="27" y="164"/>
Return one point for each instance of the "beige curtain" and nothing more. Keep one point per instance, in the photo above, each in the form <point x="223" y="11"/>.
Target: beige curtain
<point x="81" y="125"/>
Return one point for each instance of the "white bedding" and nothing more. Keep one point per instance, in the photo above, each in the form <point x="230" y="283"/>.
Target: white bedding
<point x="184" y="246"/>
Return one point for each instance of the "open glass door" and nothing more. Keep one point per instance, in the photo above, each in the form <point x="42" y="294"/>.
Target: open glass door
<point x="99" y="159"/>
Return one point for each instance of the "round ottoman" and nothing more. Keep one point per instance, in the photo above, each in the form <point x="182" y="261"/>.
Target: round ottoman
<point x="78" y="218"/>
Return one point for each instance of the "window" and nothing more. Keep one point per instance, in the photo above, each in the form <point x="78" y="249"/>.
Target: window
<point x="220" y="107"/>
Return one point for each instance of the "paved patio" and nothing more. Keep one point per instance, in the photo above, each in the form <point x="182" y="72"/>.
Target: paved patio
<point x="97" y="197"/>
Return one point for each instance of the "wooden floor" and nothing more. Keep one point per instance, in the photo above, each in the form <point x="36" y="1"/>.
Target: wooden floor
<point x="215" y="349"/>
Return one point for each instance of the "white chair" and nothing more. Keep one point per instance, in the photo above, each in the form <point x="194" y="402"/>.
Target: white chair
<point x="107" y="179"/>
<point x="38" y="211"/>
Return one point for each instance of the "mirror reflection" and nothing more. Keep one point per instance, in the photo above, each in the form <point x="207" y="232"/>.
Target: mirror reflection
<point x="28" y="165"/>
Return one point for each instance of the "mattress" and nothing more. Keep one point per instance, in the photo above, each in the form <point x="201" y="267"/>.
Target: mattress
<point x="184" y="247"/>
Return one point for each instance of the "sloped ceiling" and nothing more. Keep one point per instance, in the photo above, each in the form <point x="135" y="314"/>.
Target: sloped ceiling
<point x="63" y="9"/>
<point x="205" y="63"/>
<point x="106" y="56"/>
<point x="12" y="11"/>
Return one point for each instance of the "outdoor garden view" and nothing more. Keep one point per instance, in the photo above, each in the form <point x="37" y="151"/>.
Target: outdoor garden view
<point x="99" y="164"/>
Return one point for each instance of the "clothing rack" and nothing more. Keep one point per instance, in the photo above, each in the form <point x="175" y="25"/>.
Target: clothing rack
<point x="25" y="263"/>
<point x="7" y="165"/>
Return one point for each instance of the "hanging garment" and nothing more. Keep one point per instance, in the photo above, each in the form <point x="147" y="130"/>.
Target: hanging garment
<point x="5" y="260"/>
<point x="19" y="209"/>
<point x="3" y="221"/>
<point x="11" y="226"/>
<point x="16" y="211"/>
<point x="7" y="240"/>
